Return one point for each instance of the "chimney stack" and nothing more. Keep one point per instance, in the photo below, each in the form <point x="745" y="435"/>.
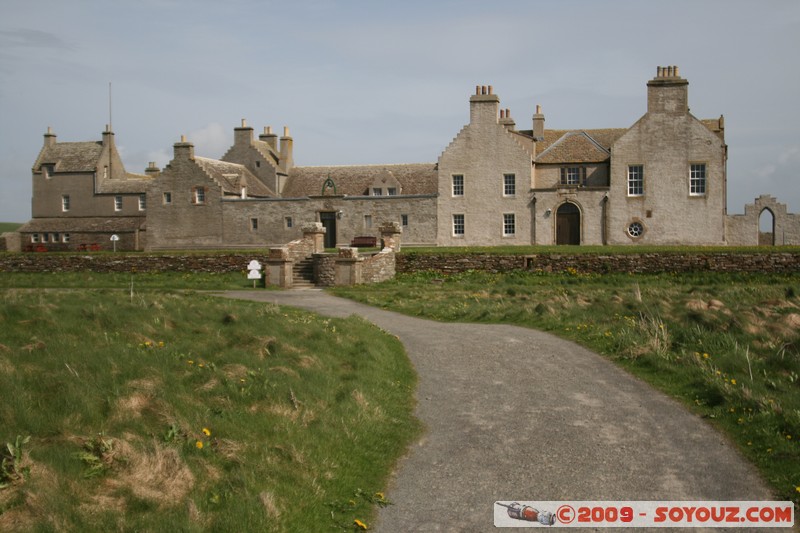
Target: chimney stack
<point x="243" y="135"/>
<point x="49" y="137"/>
<point x="538" y="124"/>
<point x="269" y="137"/>
<point x="668" y="92"/>
<point x="483" y="106"/>
<point x="184" y="149"/>
<point x="152" y="169"/>
<point x="287" y="158"/>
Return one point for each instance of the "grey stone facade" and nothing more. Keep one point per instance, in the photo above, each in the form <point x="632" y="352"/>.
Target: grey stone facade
<point x="660" y="181"/>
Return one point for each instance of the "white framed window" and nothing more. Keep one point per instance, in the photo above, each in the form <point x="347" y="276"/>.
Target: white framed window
<point x="199" y="195"/>
<point x="377" y="191"/>
<point x="509" y="185"/>
<point x="65" y="238"/>
<point x="167" y="198"/>
<point x="35" y="237"/>
<point x="404" y="220"/>
<point x="391" y="191"/>
<point x="118" y="203"/>
<point x="65" y="203"/>
<point x="573" y="176"/>
<point x="458" y="184"/>
<point x="697" y="179"/>
<point x="142" y="202"/>
<point x="367" y="221"/>
<point x="44" y="237"/>
<point x="509" y="224"/>
<point x="635" y="180"/>
<point x="288" y="222"/>
<point x="55" y="237"/>
<point x="48" y="170"/>
<point x="458" y="225"/>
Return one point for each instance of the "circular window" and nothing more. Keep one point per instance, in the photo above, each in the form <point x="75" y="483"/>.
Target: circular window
<point x="635" y="229"/>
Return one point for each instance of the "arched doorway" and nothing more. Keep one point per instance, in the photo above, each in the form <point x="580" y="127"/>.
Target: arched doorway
<point x="568" y="224"/>
<point x="766" y="227"/>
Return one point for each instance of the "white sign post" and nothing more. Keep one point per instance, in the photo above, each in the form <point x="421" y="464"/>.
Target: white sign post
<point x="114" y="239"/>
<point x="254" y="273"/>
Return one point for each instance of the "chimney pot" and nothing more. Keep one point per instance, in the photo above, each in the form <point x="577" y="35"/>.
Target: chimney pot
<point x="183" y="138"/>
<point x="286" y="131"/>
<point x="490" y="89"/>
<point x="477" y="89"/>
<point x="538" y="109"/>
<point x="676" y="72"/>
<point x="244" y="123"/>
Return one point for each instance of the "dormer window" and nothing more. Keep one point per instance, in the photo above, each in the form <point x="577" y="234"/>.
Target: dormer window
<point x="377" y="191"/>
<point x="244" y="193"/>
<point x="48" y="170"/>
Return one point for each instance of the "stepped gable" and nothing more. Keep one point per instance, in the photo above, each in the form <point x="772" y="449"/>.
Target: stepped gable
<point x="70" y="156"/>
<point x="232" y="177"/>
<point x="415" y="178"/>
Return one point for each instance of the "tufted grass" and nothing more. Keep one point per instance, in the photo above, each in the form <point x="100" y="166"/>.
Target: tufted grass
<point x="726" y="345"/>
<point x="166" y="411"/>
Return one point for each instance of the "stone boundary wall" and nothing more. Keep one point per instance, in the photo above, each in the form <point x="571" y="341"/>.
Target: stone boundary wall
<point x="325" y="269"/>
<point x="768" y="262"/>
<point x="139" y="262"/>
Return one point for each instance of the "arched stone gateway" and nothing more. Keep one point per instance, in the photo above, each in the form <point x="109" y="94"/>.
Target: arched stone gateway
<point x="568" y="224"/>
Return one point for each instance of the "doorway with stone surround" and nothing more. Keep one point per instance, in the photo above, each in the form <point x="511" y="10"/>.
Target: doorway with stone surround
<point x="568" y="224"/>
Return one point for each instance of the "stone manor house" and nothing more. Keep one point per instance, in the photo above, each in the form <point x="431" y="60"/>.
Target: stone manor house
<point x="660" y="181"/>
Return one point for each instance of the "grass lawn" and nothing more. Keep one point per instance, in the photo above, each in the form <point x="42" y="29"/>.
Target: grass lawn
<point x="728" y="346"/>
<point x="9" y="226"/>
<point x="165" y="411"/>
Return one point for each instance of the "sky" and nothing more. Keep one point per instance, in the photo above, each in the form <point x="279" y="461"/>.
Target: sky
<point x="379" y="82"/>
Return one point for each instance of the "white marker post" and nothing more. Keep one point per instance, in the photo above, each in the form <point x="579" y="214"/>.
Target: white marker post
<point x="254" y="273"/>
<point x="114" y="239"/>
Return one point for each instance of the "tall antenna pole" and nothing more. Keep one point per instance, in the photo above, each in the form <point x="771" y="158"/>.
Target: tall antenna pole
<point x="110" y="132"/>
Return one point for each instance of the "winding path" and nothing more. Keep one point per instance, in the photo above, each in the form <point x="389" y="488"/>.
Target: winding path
<point x="517" y="414"/>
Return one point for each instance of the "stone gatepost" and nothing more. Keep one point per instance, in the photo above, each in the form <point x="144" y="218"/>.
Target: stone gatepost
<point x="314" y="232"/>
<point x="348" y="267"/>
<point x="390" y="235"/>
<point x="279" y="268"/>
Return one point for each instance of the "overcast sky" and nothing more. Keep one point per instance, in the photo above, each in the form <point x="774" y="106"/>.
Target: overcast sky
<point x="363" y="82"/>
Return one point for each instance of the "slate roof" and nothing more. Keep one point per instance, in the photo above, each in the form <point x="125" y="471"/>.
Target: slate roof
<point x="232" y="177"/>
<point x="70" y="156"/>
<point x="575" y="146"/>
<point x="83" y="224"/>
<point x="355" y="180"/>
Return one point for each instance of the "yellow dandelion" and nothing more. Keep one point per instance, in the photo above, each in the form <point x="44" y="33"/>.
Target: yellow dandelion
<point x="733" y="382"/>
<point x="206" y="432"/>
<point x="190" y="362"/>
<point x="705" y="356"/>
<point x="789" y="437"/>
<point x="199" y="445"/>
<point x="797" y="489"/>
<point x="360" y="524"/>
<point x="201" y="365"/>
<point x="379" y="495"/>
<point x="160" y="344"/>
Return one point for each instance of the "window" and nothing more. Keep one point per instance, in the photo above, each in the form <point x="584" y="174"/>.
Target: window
<point x="391" y="191"/>
<point x="509" y="185"/>
<point x="574" y="176"/>
<point x="167" y="198"/>
<point x="199" y="195"/>
<point x="404" y="220"/>
<point x="142" y="202"/>
<point x="65" y="237"/>
<point x="635" y="180"/>
<point x="697" y="179"/>
<point x="377" y="191"/>
<point x="35" y="237"/>
<point x="635" y="229"/>
<point x="65" y="203"/>
<point x="258" y="164"/>
<point x="367" y="221"/>
<point x="44" y="237"/>
<point x="118" y="203"/>
<point x="458" y="185"/>
<point x="288" y="222"/>
<point x="458" y="225"/>
<point x="55" y="237"/>
<point x="253" y="224"/>
<point x="48" y="170"/>
<point x="509" y="224"/>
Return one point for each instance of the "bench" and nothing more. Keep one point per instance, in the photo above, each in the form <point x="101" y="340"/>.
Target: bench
<point x="364" y="241"/>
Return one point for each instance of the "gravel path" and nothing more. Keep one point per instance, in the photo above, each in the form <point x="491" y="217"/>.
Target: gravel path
<point x="517" y="414"/>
